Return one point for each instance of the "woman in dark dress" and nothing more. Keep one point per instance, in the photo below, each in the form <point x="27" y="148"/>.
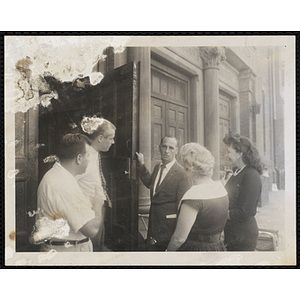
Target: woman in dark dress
<point x="244" y="191"/>
<point x="203" y="210"/>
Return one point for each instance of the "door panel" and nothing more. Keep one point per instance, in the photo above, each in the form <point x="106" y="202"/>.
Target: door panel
<point x="169" y="110"/>
<point x="169" y="85"/>
<point x="167" y="119"/>
<point x="116" y="99"/>
<point x="177" y="123"/>
<point x="158" y="128"/>
<point x="26" y="137"/>
<point x="120" y="164"/>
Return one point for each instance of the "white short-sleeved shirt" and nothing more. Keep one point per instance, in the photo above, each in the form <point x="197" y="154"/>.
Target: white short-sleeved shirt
<point x="90" y="182"/>
<point x="59" y="196"/>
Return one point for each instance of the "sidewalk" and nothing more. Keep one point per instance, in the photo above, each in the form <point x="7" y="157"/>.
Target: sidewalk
<point x="272" y="215"/>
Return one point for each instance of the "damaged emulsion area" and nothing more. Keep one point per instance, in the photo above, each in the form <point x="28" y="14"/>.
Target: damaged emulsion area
<point x="40" y="89"/>
<point x="45" y="229"/>
<point x="41" y="78"/>
<point x="56" y="227"/>
<point x="24" y="82"/>
<point x="29" y="60"/>
<point x="12" y="235"/>
<point x="33" y="87"/>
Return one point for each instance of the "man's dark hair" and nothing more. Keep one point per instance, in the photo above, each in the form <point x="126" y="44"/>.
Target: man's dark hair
<point x="71" y="145"/>
<point x="169" y="137"/>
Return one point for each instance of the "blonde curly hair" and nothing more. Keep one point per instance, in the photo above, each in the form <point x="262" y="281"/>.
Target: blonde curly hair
<point x="197" y="159"/>
<point x="94" y="126"/>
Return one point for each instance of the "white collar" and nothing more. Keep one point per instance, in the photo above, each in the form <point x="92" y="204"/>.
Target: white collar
<point x="93" y="151"/>
<point x="205" y="191"/>
<point x="237" y="171"/>
<point x="169" y="165"/>
<point x="60" y="168"/>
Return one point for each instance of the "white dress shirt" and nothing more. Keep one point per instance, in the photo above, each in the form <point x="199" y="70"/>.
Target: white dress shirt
<point x="90" y="182"/>
<point x="59" y="196"/>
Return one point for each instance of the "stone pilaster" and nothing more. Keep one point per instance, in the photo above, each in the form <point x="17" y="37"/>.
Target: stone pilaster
<point x="143" y="55"/>
<point x="211" y="57"/>
<point x="247" y="100"/>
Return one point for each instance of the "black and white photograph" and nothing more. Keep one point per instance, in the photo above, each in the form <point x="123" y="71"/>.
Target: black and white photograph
<point x="127" y="150"/>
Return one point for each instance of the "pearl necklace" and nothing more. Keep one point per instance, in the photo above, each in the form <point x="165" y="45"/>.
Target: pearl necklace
<point x="237" y="171"/>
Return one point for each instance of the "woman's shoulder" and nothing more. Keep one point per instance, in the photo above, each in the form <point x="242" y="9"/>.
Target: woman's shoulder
<point x="205" y="191"/>
<point x="251" y="171"/>
<point x="250" y="174"/>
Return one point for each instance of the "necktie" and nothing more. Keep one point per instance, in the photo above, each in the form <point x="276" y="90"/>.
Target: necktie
<point x="103" y="181"/>
<point x="162" y="167"/>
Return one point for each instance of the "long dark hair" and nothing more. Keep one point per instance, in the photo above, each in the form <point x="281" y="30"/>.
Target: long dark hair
<point x="243" y="145"/>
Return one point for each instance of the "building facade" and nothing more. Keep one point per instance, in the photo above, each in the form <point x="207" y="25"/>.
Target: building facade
<point x="197" y="94"/>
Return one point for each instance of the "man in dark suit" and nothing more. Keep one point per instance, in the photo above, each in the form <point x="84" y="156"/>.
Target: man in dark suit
<point x="167" y="184"/>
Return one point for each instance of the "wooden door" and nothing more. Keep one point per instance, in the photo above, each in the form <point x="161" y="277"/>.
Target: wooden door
<point x="158" y="128"/>
<point x="167" y="119"/>
<point x="121" y="86"/>
<point x="170" y="107"/>
<point x="177" y="122"/>
<point x="26" y="149"/>
<point x="115" y="99"/>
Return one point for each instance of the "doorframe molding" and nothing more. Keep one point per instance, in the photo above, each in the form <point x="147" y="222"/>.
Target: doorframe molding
<point x="175" y="61"/>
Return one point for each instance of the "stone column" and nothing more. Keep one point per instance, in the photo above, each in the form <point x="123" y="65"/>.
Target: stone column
<point x="143" y="55"/>
<point x="211" y="57"/>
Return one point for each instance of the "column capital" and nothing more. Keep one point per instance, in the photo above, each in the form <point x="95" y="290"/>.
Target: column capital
<point x="212" y="55"/>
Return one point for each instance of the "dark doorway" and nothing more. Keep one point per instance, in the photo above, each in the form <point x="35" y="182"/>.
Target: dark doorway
<point x="115" y="98"/>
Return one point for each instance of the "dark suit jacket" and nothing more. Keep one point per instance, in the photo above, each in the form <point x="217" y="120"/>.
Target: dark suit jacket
<point x="165" y="202"/>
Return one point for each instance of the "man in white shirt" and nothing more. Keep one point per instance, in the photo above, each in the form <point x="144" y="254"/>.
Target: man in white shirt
<point x="167" y="183"/>
<point x="102" y="133"/>
<point x="60" y="197"/>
